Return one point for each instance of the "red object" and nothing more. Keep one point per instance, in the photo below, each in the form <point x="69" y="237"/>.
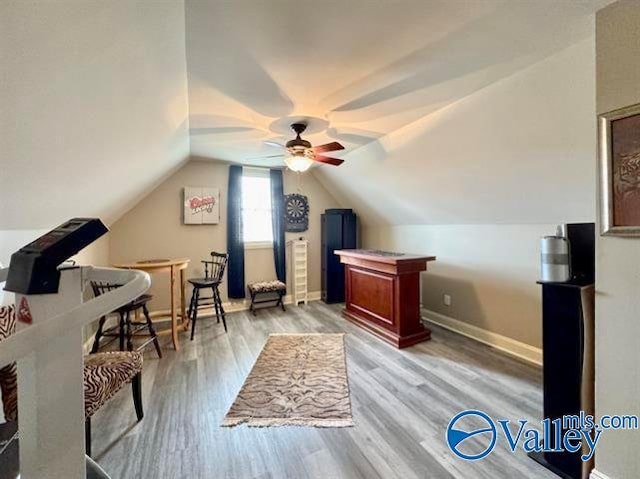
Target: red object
<point x="198" y="204"/>
<point x="24" y="313"/>
<point x="333" y="146"/>
<point x="328" y="160"/>
<point x="382" y="294"/>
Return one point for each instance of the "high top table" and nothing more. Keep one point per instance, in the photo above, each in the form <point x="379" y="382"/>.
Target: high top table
<point x="173" y="267"/>
<point x="382" y="294"/>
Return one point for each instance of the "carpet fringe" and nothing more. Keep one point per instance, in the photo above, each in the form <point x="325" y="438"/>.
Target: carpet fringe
<point x="283" y="421"/>
<point x="307" y="334"/>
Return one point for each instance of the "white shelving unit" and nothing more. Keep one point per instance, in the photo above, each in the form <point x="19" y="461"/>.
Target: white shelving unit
<point x="299" y="271"/>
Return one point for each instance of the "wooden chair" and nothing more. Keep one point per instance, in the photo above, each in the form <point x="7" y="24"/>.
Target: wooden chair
<point x="126" y="329"/>
<point x="213" y="274"/>
<point x="104" y="375"/>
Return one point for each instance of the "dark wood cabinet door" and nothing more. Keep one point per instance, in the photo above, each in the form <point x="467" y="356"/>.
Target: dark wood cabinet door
<point x="372" y="294"/>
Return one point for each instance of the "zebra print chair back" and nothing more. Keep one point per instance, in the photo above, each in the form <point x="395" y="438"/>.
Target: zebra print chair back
<point x="104" y="375"/>
<point x="8" y="374"/>
<point x="7" y="321"/>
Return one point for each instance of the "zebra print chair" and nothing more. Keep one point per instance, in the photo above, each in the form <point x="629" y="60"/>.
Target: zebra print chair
<point x="8" y="374"/>
<point x="104" y="375"/>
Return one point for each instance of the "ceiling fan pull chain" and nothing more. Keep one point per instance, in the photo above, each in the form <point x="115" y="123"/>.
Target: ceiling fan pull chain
<point x="299" y="182"/>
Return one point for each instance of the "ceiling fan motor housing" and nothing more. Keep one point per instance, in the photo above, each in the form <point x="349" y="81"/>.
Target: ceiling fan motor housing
<point x="302" y="154"/>
<point x="298" y="144"/>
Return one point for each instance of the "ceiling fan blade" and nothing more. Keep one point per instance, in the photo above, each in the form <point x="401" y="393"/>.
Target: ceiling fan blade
<point x="273" y="143"/>
<point x="328" y="160"/>
<point x="333" y="146"/>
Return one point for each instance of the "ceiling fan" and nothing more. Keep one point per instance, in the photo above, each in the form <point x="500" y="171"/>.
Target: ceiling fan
<point x="299" y="155"/>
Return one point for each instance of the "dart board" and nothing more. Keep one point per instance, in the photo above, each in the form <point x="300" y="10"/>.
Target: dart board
<point x="296" y="213"/>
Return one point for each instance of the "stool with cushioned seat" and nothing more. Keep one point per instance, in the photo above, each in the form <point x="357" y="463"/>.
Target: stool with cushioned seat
<point x="104" y="375"/>
<point x="257" y="289"/>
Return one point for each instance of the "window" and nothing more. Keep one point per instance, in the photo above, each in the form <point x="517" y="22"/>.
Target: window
<point x="256" y="207"/>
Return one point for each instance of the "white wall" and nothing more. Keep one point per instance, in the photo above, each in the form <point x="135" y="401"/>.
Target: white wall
<point x="478" y="183"/>
<point x="94" y="107"/>
<point x="13" y="240"/>
<point x="618" y="259"/>
<point x="517" y="151"/>
<point x="93" y="112"/>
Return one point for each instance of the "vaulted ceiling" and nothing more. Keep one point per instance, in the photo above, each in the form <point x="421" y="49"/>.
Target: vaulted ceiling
<point x="93" y="107"/>
<point x="365" y="67"/>
<point x="96" y="98"/>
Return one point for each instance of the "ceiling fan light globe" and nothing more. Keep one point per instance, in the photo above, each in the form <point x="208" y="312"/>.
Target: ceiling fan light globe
<point x="298" y="163"/>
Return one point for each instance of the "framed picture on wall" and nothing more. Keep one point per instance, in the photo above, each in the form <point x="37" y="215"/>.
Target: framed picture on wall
<point x="619" y="165"/>
<point x="201" y="205"/>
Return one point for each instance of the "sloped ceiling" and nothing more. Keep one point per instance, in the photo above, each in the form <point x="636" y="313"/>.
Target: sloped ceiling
<point x="93" y="107"/>
<point x="366" y="67"/>
<point x="94" y="95"/>
<point x="520" y="151"/>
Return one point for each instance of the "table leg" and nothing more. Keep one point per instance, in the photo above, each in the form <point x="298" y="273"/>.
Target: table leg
<point x="183" y="309"/>
<point x="174" y="313"/>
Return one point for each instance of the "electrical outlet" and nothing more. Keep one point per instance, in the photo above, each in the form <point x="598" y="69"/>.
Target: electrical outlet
<point x="446" y="299"/>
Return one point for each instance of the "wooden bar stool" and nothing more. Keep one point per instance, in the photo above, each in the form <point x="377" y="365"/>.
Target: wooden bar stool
<point x="126" y="329"/>
<point x="213" y="273"/>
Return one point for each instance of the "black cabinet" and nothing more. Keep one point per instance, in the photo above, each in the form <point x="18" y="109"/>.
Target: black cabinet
<point x="567" y="334"/>
<point x="568" y="348"/>
<point x="338" y="232"/>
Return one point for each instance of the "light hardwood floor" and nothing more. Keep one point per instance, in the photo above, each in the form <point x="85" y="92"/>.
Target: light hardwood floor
<point x="402" y="402"/>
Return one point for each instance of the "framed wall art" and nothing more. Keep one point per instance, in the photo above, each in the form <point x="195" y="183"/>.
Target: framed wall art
<point x="201" y="205"/>
<point x="619" y="169"/>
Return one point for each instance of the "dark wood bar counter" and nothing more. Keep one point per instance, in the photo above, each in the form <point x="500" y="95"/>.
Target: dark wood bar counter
<point x="382" y="294"/>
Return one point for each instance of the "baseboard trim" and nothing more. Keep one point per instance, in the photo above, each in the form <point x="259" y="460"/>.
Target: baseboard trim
<point x="235" y="306"/>
<point x="243" y="305"/>
<point x="507" y="345"/>
<point x="595" y="474"/>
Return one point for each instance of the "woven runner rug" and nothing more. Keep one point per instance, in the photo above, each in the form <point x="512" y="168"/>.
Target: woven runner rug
<point x="298" y="380"/>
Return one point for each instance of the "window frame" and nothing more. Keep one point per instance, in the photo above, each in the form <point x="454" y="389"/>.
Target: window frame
<point x="258" y="244"/>
<point x="256" y="172"/>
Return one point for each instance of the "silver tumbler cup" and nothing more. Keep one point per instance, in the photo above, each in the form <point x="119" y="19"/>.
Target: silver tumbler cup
<point x="554" y="259"/>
